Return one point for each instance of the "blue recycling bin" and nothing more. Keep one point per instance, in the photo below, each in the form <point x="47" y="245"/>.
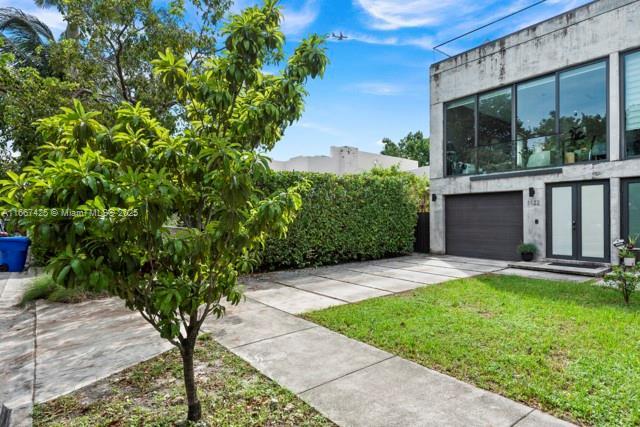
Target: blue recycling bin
<point x="13" y="253"/>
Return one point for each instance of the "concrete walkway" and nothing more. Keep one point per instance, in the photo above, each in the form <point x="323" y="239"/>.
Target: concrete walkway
<point x="53" y="349"/>
<point x="48" y="349"/>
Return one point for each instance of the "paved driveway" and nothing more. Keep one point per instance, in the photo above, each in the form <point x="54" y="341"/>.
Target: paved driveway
<point x="311" y="289"/>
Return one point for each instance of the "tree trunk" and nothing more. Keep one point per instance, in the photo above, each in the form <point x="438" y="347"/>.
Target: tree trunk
<point x="195" y="411"/>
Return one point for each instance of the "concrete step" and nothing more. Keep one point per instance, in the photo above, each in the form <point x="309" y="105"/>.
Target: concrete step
<point x="584" y="269"/>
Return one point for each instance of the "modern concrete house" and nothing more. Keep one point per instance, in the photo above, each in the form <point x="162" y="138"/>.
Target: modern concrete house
<point x="344" y="160"/>
<point x="535" y="138"/>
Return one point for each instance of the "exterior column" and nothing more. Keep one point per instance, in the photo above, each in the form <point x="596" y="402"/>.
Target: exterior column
<point x="614" y="108"/>
<point x="615" y="210"/>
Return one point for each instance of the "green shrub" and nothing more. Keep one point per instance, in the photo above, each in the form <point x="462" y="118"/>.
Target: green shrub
<point x="41" y="288"/>
<point x="346" y="218"/>
<point x="44" y="287"/>
<point x="527" y="248"/>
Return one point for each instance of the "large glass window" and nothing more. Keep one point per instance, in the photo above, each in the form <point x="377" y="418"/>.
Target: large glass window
<point x="558" y="119"/>
<point x="631" y="200"/>
<point x="583" y="113"/>
<point x="536" y="124"/>
<point x="632" y="103"/>
<point x="494" y="131"/>
<point x="460" y="134"/>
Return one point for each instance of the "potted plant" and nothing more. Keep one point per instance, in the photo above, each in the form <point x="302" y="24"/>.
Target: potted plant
<point x="626" y="252"/>
<point x="527" y="251"/>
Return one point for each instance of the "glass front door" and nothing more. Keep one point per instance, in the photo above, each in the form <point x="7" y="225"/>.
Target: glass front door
<point x="578" y="221"/>
<point x="630" y="208"/>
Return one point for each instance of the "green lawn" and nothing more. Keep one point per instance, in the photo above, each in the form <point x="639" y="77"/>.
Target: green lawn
<point x="570" y="349"/>
<point x="151" y="394"/>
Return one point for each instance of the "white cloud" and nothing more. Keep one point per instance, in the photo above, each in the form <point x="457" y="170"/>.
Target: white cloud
<point x="394" y="14"/>
<point x="297" y="20"/>
<point x="424" y="42"/>
<point x="367" y="38"/>
<point x="378" y="88"/>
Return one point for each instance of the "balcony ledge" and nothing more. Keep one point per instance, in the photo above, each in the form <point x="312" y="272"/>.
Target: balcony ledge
<point x="516" y="174"/>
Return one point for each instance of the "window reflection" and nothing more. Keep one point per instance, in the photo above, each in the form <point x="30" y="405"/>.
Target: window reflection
<point x="559" y="119"/>
<point x="632" y="103"/>
<point x="583" y="113"/>
<point x="494" y="131"/>
<point x="536" y="124"/>
<point x="460" y="135"/>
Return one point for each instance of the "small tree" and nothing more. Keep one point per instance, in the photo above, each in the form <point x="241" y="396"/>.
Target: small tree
<point x="104" y="194"/>
<point x="414" y="146"/>
<point x="625" y="279"/>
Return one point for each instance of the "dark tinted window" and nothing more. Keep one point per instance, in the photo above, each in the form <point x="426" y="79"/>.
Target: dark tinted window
<point x="583" y="113"/>
<point x="494" y="131"/>
<point x="537" y="145"/>
<point x="536" y="107"/>
<point x="633" y="209"/>
<point x="494" y="117"/>
<point x="460" y="134"/>
<point x="632" y="103"/>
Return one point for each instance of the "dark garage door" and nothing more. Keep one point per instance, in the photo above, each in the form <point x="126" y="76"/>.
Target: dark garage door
<point x="484" y="225"/>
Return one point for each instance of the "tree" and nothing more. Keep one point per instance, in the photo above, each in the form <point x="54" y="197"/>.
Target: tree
<point x="106" y="53"/>
<point x="414" y="146"/>
<point x="26" y="38"/>
<point x="26" y="96"/>
<point x="104" y="194"/>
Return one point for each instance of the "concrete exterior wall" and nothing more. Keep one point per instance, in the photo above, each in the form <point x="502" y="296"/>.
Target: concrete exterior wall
<point x="422" y="171"/>
<point x="343" y="160"/>
<point x="598" y="30"/>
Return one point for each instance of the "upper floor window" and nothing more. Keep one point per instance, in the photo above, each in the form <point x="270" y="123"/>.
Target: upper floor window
<point x="632" y="104"/>
<point x="495" y="127"/>
<point x="461" y="137"/>
<point x="552" y="120"/>
<point x="583" y="113"/>
<point x="536" y="145"/>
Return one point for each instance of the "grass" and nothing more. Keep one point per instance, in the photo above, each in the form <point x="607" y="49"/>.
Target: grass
<point x="152" y="394"/>
<point x="570" y="349"/>
<point x="44" y="287"/>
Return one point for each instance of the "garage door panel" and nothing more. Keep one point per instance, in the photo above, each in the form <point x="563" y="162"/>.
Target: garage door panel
<point x="484" y="225"/>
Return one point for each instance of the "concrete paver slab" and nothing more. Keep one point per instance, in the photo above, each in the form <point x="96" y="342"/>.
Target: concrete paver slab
<point x="414" y="276"/>
<point x="437" y="262"/>
<point x="251" y="321"/>
<point x="291" y="300"/>
<point x="17" y="346"/>
<point x="397" y="392"/>
<point x="477" y="261"/>
<point x="457" y="273"/>
<point x="544" y="275"/>
<point x="334" y="288"/>
<point x="452" y="272"/>
<point x="80" y="344"/>
<point x="306" y="359"/>
<point x="15" y="286"/>
<point x="388" y="284"/>
<point x="538" y="419"/>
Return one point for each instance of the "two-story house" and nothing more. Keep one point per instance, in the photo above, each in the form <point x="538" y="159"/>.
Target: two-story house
<point x="535" y="138"/>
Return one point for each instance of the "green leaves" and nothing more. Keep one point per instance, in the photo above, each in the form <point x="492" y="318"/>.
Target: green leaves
<point x="351" y="217"/>
<point x="172" y="70"/>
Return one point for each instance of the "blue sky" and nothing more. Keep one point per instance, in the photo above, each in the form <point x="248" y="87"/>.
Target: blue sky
<point x="377" y="82"/>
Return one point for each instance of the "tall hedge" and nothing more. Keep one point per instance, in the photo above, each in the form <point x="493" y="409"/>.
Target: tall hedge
<point x="345" y="218"/>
